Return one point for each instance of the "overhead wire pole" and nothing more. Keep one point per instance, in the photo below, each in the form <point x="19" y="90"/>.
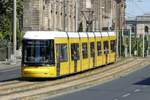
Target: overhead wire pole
<point x="14" y="30"/>
<point x="130" y="43"/>
<point x="143" y="44"/>
<point x="64" y="14"/>
<point x="117" y="26"/>
<point x="110" y="18"/>
<point x="77" y="15"/>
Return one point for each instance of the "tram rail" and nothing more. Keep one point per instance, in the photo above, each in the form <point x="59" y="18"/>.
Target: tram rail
<point x="33" y="90"/>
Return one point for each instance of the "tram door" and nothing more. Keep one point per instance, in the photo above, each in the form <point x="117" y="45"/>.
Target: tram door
<point x="106" y="51"/>
<point x="62" y="59"/>
<point x="58" y="60"/>
<point x="75" y="55"/>
<point x="92" y="48"/>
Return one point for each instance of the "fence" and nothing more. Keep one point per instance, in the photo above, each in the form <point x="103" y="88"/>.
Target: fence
<point x="5" y="52"/>
<point x="137" y="41"/>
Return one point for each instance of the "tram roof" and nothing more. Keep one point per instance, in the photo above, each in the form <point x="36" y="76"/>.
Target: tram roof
<point x="97" y="34"/>
<point x="111" y="34"/>
<point x="104" y="34"/>
<point x="90" y="34"/>
<point x="45" y="35"/>
<point x="73" y="35"/>
<point x="38" y="35"/>
<point x="83" y="34"/>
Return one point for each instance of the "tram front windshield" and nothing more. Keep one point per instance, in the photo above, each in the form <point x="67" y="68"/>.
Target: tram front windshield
<point x="38" y="52"/>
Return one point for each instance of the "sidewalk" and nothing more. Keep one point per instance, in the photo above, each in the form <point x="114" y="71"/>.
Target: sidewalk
<point x="10" y="64"/>
<point x="6" y="65"/>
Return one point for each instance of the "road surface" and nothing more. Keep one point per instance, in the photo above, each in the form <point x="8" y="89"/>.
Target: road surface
<point x="10" y="74"/>
<point x="135" y="86"/>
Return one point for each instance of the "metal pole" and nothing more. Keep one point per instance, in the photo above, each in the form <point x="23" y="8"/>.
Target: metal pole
<point x="143" y="44"/>
<point x="110" y="18"/>
<point x="64" y="15"/>
<point x="130" y="43"/>
<point x="99" y="15"/>
<point x="77" y="15"/>
<point x="122" y="31"/>
<point x="102" y="18"/>
<point x="117" y="29"/>
<point x="147" y="39"/>
<point x="14" y="31"/>
<point x="120" y="41"/>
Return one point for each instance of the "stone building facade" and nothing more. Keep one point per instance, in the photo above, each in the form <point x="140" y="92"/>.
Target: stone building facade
<point x="49" y="15"/>
<point x="140" y="25"/>
<point x="71" y="15"/>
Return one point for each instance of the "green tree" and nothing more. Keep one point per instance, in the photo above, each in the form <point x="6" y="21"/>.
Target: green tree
<point x="6" y="18"/>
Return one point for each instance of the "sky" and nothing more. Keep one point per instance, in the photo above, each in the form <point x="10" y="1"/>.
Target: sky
<point x="137" y="7"/>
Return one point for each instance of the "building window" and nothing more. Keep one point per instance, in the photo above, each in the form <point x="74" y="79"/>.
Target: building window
<point x="146" y="29"/>
<point x="98" y="48"/>
<point x="133" y="29"/>
<point x="84" y="50"/>
<point x="75" y="51"/>
<point x="61" y="50"/>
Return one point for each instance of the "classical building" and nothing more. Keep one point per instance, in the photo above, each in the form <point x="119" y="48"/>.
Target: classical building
<point x="73" y="15"/>
<point x="139" y="25"/>
<point x="49" y="15"/>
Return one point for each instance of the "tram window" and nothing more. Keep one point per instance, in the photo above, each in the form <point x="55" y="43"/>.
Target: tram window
<point x="75" y="51"/>
<point x="62" y="52"/>
<point x="106" y="49"/>
<point x="99" y="48"/>
<point x="92" y="48"/>
<point x="113" y="45"/>
<point x="84" y="50"/>
<point x="38" y="52"/>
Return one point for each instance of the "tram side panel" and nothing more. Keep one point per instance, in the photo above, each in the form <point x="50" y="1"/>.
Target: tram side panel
<point x="62" y="56"/>
<point x="74" y="55"/>
<point x="105" y="49"/>
<point x="112" y="49"/>
<point x="99" y="57"/>
<point x="84" y="53"/>
<point x="92" y="51"/>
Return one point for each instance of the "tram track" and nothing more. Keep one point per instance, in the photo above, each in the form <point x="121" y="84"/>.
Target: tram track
<point x="25" y="89"/>
<point x="9" y="87"/>
<point x="91" y="81"/>
<point x="14" y="84"/>
<point x="19" y="81"/>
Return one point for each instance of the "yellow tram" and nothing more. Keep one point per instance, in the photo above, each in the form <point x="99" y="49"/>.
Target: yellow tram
<point x="48" y="54"/>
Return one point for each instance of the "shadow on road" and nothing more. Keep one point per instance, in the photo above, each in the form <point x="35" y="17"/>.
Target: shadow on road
<point x="27" y="79"/>
<point x="12" y="79"/>
<point x="144" y="82"/>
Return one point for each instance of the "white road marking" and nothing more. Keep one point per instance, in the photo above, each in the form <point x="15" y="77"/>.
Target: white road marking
<point x="144" y="86"/>
<point x="115" y="99"/>
<point x="137" y="90"/>
<point x="126" y="95"/>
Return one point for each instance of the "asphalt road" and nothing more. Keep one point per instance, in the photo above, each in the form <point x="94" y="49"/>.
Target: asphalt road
<point x="135" y="86"/>
<point x="10" y="74"/>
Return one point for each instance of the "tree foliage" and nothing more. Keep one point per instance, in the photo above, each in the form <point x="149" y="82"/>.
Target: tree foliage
<point x="6" y="17"/>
